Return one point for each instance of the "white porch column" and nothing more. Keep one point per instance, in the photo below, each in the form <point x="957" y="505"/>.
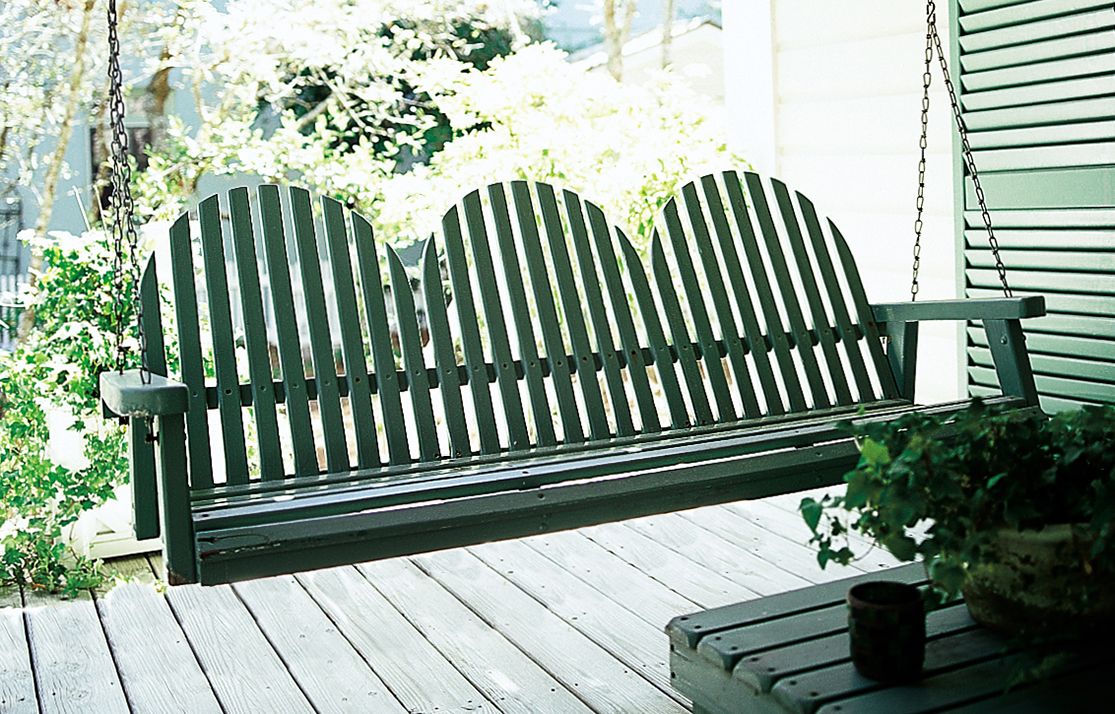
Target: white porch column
<point x="749" y="78"/>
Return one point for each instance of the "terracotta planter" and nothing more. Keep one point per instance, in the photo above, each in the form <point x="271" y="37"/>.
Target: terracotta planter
<point x="1037" y="585"/>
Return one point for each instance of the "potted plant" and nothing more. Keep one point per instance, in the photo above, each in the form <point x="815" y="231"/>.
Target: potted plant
<point x="1013" y="508"/>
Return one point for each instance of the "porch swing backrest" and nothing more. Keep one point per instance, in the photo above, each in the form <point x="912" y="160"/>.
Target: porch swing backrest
<point x="557" y="333"/>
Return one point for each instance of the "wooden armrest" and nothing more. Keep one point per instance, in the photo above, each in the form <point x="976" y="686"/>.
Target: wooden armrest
<point x="961" y="309"/>
<point x="127" y="395"/>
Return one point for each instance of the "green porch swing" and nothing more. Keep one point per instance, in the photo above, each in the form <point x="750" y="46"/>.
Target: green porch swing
<point x="567" y="381"/>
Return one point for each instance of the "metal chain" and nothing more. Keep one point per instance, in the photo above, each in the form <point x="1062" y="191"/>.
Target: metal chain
<point x="934" y="44"/>
<point x="923" y="143"/>
<point x="122" y="209"/>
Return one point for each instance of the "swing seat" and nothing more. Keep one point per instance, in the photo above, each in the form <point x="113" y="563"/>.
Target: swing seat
<point x="535" y="372"/>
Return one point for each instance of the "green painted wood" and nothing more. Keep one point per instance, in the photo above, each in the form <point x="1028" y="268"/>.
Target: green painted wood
<point x="286" y="329"/>
<point x="1050" y="134"/>
<point x="756" y="268"/>
<point x="571" y="312"/>
<point x="756" y="341"/>
<point x="1036" y="30"/>
<point x="543" y="292"/>
<point x="661" y="353"/>
<point x="520" y="312"/>
<point x="781" y="273"/>
<point x="1042" y="281"/>
<point x="730" y="334"/>
<point x="383" y="356"/>
<point x="1084" y="187"/>
<point x="141" y="452"/>
<point x="1070" y="240"/>
<point x="1043" y="347"/>
<point x="849" y="335"/>
<point x="134" y="394"/>
<point x="255" y="336"/>
<point x="224" y="350"/>
<point x="864" y="314"/>
<point x="1035" y="73"/>
<point x="679" y="333"/>
<point x="177" y="525"/>
<point x="1034" y="114"/>
<point x="321" y="341"/>
<point x="352" y="341"/>
<point x="1015" y="13"/>
<point x="694" y="291"/>
<point x="636" y="366"/>
<point x="594" y="302"/>
<point x="478" y="380"/>
<point x="410" y="342"/>
<point x="445" y="359"/>
<point x="807" y="275"/>
<point x="1101" y="40"/>
<point x="1036" y="94"/>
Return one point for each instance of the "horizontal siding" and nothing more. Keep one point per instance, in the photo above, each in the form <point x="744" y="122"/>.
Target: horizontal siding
<point x="1038" y="89"/>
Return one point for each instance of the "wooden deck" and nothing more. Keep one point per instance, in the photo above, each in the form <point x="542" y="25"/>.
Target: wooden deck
<point x="569" y="622"/>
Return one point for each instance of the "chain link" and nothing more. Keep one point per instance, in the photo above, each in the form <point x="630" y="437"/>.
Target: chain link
<point x="121" y="214"/>
<point x="933" y="44"/>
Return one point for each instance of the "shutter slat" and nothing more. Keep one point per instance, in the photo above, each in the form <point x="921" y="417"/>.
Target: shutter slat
<point x="1056" y="70"/>
<point x="1042" y="135"/>
<point x="1101" y="41"/>
<point x="1078" y="261"/>
<point x="1039" y="93"/>
<point x="1038" y="30"/>
<point x="1019" y="12"/>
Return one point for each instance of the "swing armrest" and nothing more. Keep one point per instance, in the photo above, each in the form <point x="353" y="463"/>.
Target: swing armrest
<point x="1013" y="308"/>
<point x="127" y="395"/>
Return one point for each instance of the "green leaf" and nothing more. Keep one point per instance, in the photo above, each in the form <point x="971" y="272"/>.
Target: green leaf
<point x="901" y="546"/>
<point x="874" y="452"/>
<point x="811" y="511"/>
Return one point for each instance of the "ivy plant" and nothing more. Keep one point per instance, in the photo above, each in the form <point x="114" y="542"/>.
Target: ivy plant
<point x="939" y="487"/>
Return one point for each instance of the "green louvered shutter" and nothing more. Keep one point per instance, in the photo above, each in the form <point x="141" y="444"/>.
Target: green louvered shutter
<point x="1037" y="83"/>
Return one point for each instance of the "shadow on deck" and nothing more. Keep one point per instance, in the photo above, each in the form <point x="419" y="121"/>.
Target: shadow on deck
<point x="567" y="622"/>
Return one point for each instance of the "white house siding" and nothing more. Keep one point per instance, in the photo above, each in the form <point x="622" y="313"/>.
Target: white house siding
<point x="846" y="105"/>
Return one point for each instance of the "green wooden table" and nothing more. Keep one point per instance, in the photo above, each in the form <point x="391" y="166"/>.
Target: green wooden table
<point x="789" y="653"/>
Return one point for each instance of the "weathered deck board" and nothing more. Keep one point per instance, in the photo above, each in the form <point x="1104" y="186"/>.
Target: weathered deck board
<point x="159" y="670"/>
<point x="689" y="578"/>
<point x="636" y="641"/>
<point x="17" y="680"/>
<point x="73" y="665"/>
<point x="241" y="665"/>
<point x="562" y="622"/>
<point x="740" y="564"/>
<point x="331" y="673"/>
<point x="421" y="678"/>
<point x="605" y="683"/>
<point x="488" y="660"/>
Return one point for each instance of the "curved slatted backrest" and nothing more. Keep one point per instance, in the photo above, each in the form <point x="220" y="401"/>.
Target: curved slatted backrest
<point x="529" y="321"/>
<point x="770" y="298"/>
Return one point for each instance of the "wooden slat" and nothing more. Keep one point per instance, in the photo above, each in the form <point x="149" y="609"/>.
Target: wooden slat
<point x="547" y="313"/>
<point x="849" y="336"/>
<point x="679" y="333"/>
<point x="656" y="339"/>
<point x="352" y="341"/>
<point x="142" y="472"/>
<point x="757" y="343"/>
<point x="1039" y="51"/>
<point x="755" y="267"/>
<point x="803" y="343"/>
<point x="155" y="662"/>
<point x="1043" y="135"/>
<point x="74" y="671"/>
<point x="807" y="275"/>
<point x="1099" y="392"/>
<point x="713" y="372"/>
<point x="497" y="326"/>
<point x="417" y="674"/>
<point x="286" y="328"/>
<point x="636" y="367"/>
<point x="1066" y="239"/>
<point x="17" y="680"/>
<point x="1019" y="12"/>
<point x="1034" y="114"/>
<point x="470" y="332"/>
<point x="503" y="672"/>
<point x="1047" y="157"/>
<point x="1037" y="30"/>
<point x="571" y="309"/>
<point x="243" y="669"/>
<point x="520" y="312"/>
<point x="601" y="328"/>
<point x="1059" y="366"/>
<point x="410" y="343"/>
<point x="864" y="314"/>
<point x="328" y="670"/>
<point x="321" y="341"/>
<point x="445" y="359"/>
<point x="1046" y="218"/>
<point x="1042" y="72"/>
<point x="224" y="348"/>
<point x="603" y="682"/>
<point x="383" y="357"/>
<point x="1076" y="262"/>
<point x="255" y="336"/>
<point x="1037" y="93"/>
<point x="1038" y="343"/>
<point x="189" y="352"/>
<point x="1095" y="283"/>
<point x="730" y="334"/>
